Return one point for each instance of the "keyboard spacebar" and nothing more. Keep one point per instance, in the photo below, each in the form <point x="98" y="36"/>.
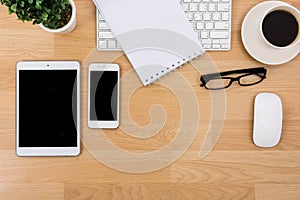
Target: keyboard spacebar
<point x="219" y="35"/>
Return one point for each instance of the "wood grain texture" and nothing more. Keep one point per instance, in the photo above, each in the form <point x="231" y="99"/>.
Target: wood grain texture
<point x="126" y="191"/>
<point x="277" y="191"/>
<point x="29" y="191"/>
<point x="235" y="169"/>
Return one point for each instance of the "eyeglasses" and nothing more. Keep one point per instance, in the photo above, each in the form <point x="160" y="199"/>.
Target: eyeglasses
<point x="219" y="81"/>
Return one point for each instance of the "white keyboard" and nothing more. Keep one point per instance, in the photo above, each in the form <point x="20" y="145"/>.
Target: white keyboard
<point x="211" y="19"/>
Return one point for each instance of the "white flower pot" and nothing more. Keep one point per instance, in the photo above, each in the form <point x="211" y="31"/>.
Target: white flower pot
<point x="68" y="27"/>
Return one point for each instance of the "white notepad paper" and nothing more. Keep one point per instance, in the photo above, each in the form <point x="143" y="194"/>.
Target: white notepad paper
<point x="155" y="35"/>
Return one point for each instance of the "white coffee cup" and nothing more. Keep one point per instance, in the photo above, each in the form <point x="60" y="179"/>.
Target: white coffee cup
<point x="290" y="9"/>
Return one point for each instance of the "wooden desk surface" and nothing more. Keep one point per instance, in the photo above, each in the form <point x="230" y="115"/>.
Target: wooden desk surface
<point x="235" y="169"/>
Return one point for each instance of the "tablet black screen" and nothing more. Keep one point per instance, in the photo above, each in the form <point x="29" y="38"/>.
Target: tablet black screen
<point x="47" y="108"/>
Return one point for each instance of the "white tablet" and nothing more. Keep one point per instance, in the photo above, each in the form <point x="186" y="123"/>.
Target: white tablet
<point x="48" y="108"/>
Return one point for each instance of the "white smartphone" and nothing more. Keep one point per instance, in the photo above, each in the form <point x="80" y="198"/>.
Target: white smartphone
<point x="103" y="97"/>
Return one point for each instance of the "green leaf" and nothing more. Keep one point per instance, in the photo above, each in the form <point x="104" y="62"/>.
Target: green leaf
<point x="47" y="10"/>
<point x="58" y="16"/>
<point x="38" y="4"/>
<point x="44" y="16"/>
<point x="14" y="7"/>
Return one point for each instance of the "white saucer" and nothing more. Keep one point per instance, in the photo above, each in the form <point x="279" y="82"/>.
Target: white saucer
<point x="254" y="43"/>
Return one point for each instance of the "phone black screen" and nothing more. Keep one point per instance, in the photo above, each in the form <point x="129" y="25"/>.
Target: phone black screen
<point x="103" y="95"/>
<point x="47" y="108"/>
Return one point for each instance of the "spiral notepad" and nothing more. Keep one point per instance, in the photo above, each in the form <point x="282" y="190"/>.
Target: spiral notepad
<point x="155" y="35"/>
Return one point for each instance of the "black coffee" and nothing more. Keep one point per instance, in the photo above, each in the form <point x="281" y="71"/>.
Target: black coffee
<point x="280" y="28"/>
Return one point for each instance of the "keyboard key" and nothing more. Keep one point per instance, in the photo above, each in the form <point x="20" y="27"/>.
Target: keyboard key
<point x="102" y="25"/>
<point x="225" y="46"/>
<point x="118" y="45"/>
<point x="206" y="16"/>
<point x="107" y="35"/>
<point x="206" y="41"/>
<point x="204" y="35"/>
<point x="186" y="7"/>
<point x="215" y="41"/>
<point x="225" y="16"/>
<point x="221" y="35"/>
<point x="224" y="41"/>
<point x="200" y="26"/>
<point x="111" y="44"/>
<point x="202" y="7"/>
<point x="194" y="25"/>
<point x="216" y="16"/>
<point x="221" y="25"/>
<point x="209" y="26"/>
<point x="223" y="7"/>
<point x="197" y="17"/>
<point x="100" y="17"/>
<point x="102" y="44"/>
<point x="190" y="16"/>
<point x="206" y="46"/>
<point x="211" y="7"/>
<point x="193" y="7"/>
<point x="216" y="46"/>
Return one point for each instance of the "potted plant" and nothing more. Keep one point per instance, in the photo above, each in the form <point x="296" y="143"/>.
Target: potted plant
<point x="57" y="16"/>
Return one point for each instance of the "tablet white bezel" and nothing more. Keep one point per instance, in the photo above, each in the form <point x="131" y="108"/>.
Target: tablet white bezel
<point x="104" y="124"/>
<point x="48" y="151"/>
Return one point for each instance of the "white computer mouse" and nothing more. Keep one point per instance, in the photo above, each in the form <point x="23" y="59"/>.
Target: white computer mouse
<point x="267" y="120"/>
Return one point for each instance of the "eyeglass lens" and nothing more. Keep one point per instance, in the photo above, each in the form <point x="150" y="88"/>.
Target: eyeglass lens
<point x="218" y="83"/>
<point x="250" y="79"/>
